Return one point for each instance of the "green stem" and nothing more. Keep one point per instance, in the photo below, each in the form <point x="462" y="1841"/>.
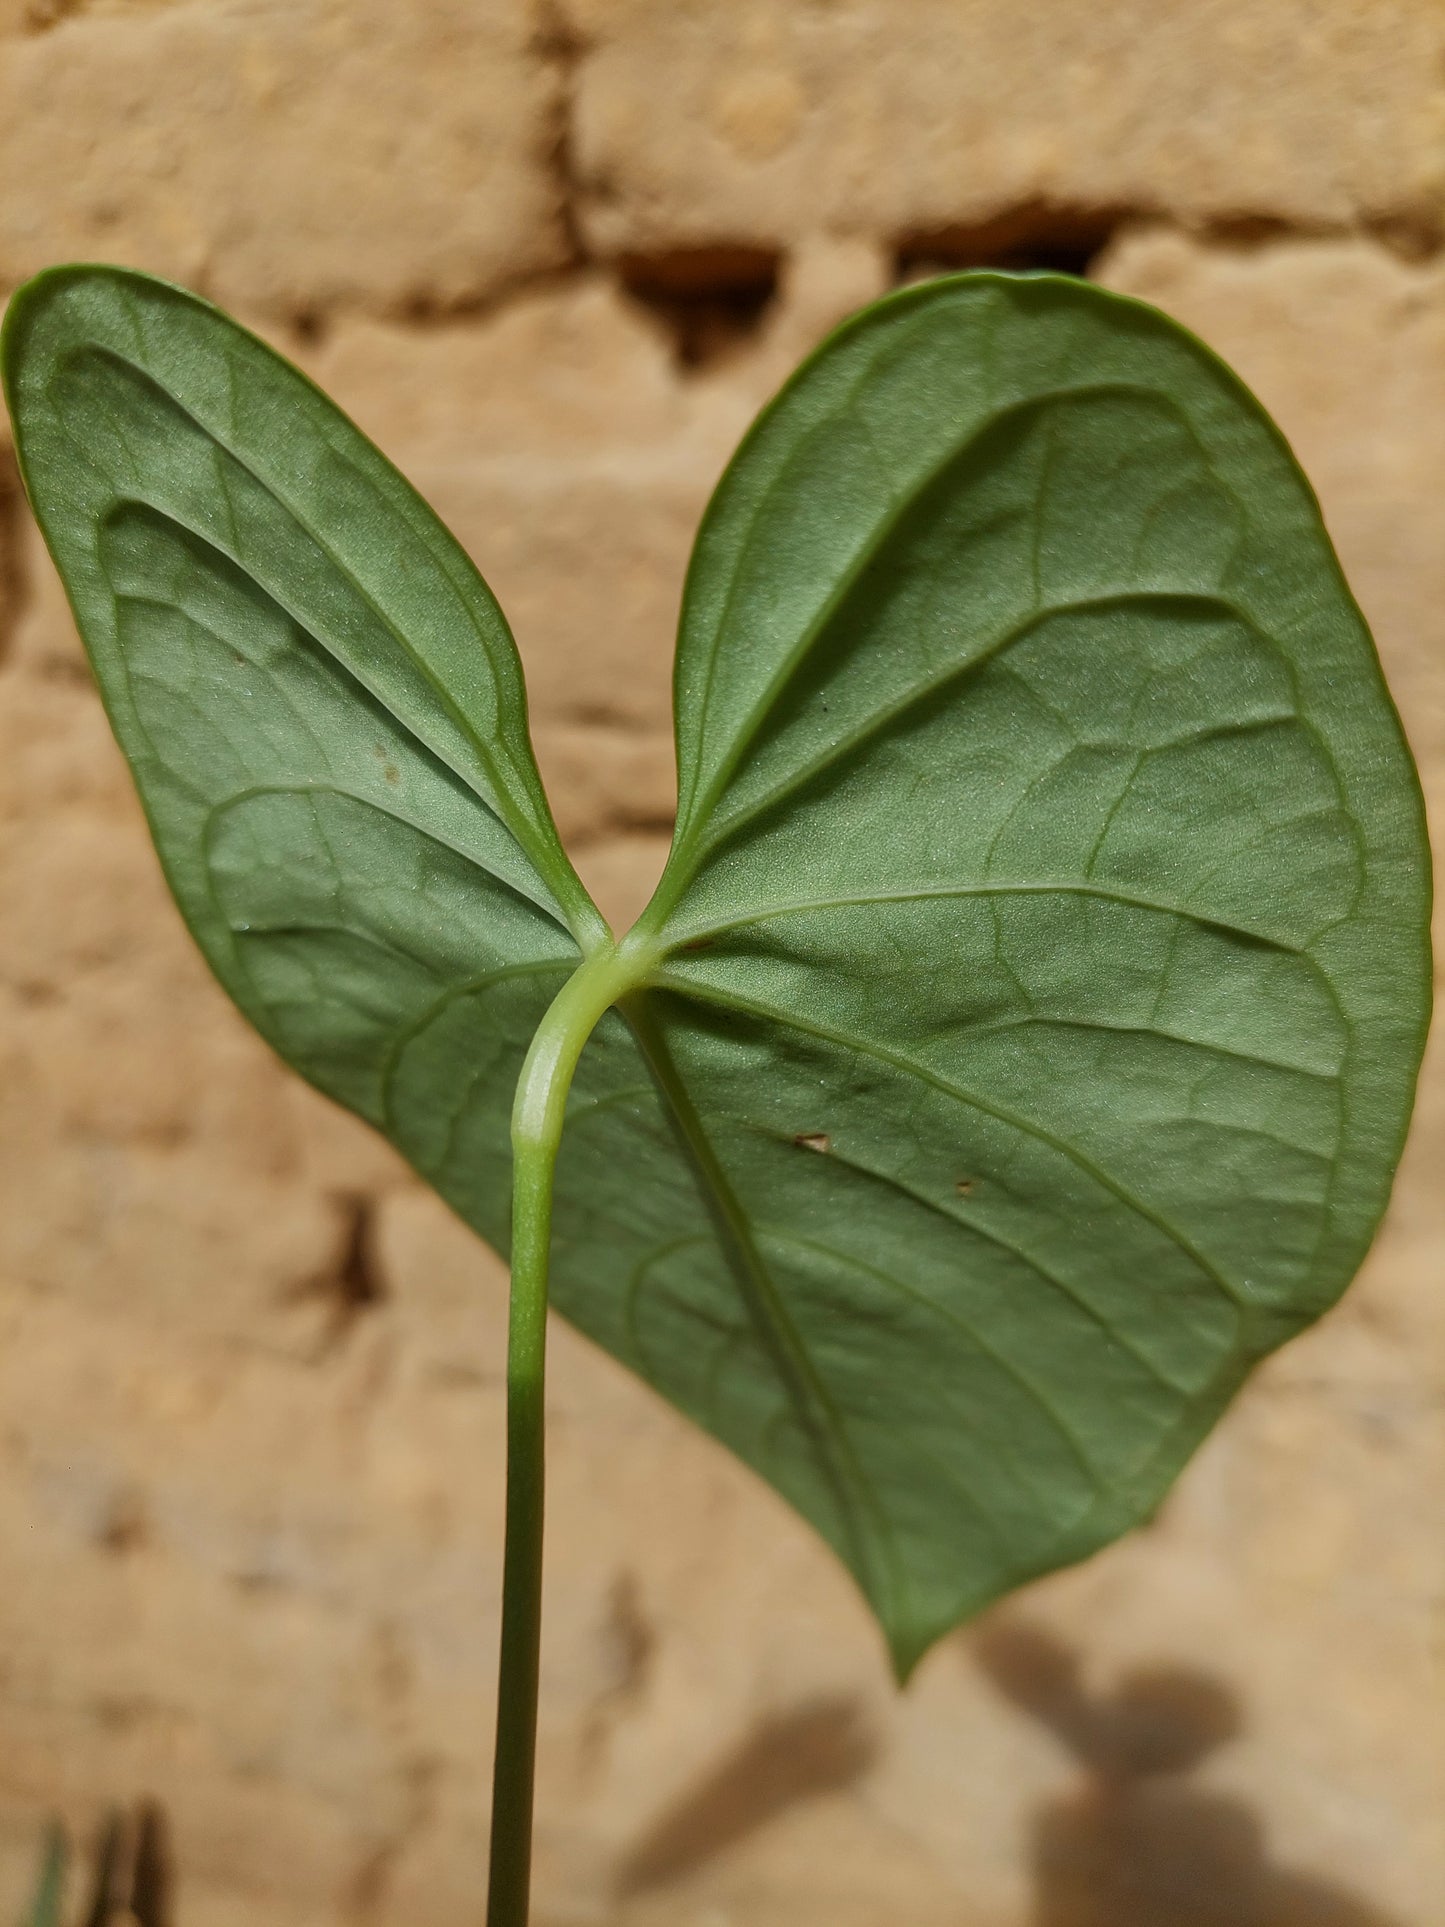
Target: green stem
<point x="537" y="1116"/>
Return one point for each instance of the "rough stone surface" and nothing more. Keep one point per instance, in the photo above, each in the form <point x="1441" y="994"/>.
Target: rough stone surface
<point x="250" y="1372"/>
<point x="291" y="157"/>
<point x="771" y="119"/>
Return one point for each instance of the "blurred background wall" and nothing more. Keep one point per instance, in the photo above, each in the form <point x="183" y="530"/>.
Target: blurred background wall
<point x="552" y="257"/>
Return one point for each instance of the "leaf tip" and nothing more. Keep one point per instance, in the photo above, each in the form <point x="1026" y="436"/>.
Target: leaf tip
<point x="907" y="1647"/>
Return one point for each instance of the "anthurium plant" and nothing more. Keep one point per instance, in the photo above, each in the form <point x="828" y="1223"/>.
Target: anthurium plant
<point x="1022" y="1036"/>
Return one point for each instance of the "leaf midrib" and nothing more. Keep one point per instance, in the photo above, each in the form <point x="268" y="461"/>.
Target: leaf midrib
<point x="529" y="833"/>
<point x="898" y="1061"/>
<point x="700" y="845"/>
<point x="687" y="934"/>
<point x="807" y="1393"/>
<point x="996" y="1359"/>
<point x="696" y="809"/>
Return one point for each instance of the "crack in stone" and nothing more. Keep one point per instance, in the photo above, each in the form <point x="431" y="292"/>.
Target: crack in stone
<point x="352" y="1282"/>
<point x="1035" y="233"/>
<point x="560" y="46"/>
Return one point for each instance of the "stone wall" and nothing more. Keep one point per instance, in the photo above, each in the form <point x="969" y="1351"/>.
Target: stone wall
<point x="551" y="258"/>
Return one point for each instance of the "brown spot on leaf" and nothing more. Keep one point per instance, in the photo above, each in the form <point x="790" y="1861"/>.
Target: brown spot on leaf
<point x="813" y="1141"/>
<point x="964" y="1187"/>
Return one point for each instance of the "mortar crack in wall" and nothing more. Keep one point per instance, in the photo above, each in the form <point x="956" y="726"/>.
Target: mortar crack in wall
<point x="561" y="47"/>
<point x="351" y="1283"/>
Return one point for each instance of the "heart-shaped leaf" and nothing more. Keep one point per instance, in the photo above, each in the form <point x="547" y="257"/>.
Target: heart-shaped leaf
<point x="1022" y="1037"/>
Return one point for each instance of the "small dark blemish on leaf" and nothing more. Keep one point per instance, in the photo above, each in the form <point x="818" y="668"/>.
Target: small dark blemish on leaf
<point x="813" y="1141"/>
<point x="389" y="770"/>
<point x="964" y="1187"/>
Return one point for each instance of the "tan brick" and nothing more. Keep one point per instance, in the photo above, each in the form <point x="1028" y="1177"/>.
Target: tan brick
<point x="573" y="457"/>
<point x="562" y="445"/>
<point x="293" y="158"/>
<point x="769" y="119"/>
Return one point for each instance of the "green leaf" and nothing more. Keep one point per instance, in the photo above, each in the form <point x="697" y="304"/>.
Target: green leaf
<point x="1023" y="1035"/>
<point x="1046" y="962"/>
<point x="319" y="698"/>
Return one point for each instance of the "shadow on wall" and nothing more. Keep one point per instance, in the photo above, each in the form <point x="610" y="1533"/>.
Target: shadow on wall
<point x="1035" y="235"/>
<point x="1135" y="1841"/>
<point x="714" y="301"/>
<point x="820" y="1747"/>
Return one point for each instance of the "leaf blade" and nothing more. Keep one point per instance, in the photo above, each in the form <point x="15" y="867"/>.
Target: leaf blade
<point x="1027" y="1020"/>
<point x="1040" y="794"/>
<point x="319" y="698"/>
